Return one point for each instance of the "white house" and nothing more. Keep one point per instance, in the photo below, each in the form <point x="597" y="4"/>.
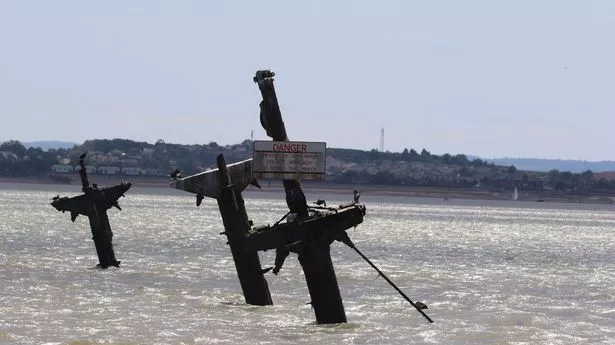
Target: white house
<point x="154" y="172"/>
<point x="62" y="168"/>
<point x="131" y="171"/>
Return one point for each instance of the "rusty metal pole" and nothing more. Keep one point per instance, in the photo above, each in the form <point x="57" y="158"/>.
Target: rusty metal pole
<point x="315" y="259"/>
<point x="102" y="234"/>
<point x="94" y="204"/>
<point x="236" y="226"/>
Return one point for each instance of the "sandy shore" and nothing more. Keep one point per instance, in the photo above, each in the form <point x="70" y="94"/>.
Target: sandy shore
<point x="333" y="188"/>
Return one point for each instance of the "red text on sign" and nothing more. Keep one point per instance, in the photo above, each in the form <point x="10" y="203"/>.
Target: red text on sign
<point x="290" y="147"/>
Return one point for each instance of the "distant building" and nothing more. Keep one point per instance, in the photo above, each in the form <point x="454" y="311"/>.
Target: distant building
<point x="519" y="184"/>
<point x="446" y="169"/>
<point x="148" y="152"/>
<point x="154" y="172"/>
<point x="607" y="175"/>
<point x="108" y="170"/>
<point x="8" y="155"/>
<point x="130" y="161"/>
<point x="62" y="168"/>
<point x="131" y="171"/>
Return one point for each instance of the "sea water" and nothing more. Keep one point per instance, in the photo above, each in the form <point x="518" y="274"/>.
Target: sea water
<point x="503" y="272"/>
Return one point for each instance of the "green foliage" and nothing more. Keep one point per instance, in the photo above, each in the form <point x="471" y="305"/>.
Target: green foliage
<point x="584" y="181"/>
<point x="15" y="147"/>
<point x="604" y="184"/>
<point x="190" y="159"/>
<point x="106" y="145"/>
<point x="405" y="155"/>
<point x="32" y="161"/>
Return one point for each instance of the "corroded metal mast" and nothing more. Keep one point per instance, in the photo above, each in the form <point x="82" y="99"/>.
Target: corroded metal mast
<point x="225" y="184"/>
<point x="236" y="225"/>
<point x="94" y="203"/>
<point x="308" y="230"/>
<point x="314" y="255"/>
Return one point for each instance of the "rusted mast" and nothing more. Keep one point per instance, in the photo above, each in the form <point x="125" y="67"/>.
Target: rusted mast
<point x="236" y="226"/>
<point x="94" y="203"/>
<point x="315" y="257"/>
<point x="225" y="184"/>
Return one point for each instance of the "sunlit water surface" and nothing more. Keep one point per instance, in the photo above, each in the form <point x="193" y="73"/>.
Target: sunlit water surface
<point x="490" y="272"/>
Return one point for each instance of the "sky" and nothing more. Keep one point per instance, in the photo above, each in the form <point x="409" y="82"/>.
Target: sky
<point x="489" y="78"/>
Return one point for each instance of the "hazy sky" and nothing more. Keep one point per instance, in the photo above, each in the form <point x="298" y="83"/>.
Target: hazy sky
<point x="490" y="78"/>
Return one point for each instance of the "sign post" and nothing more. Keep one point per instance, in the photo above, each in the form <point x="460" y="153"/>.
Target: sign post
<point x="286" y="160"/>
<point x="314" y="255"/>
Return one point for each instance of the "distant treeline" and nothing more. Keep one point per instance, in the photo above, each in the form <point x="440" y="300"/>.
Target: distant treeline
<point x="510" y="175"/>
<point x="17" y="160"/>
<point x="541" y="164"/>
<point x="359" y="156"/>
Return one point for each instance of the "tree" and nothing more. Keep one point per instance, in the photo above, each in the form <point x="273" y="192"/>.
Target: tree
<point x="385" y="177"/>
<point x="414" y="156"/>
<point x="460" y="159"/>
<point x="405" y="155"/>
<point x="586" y="179"/>
<point x="588" y="175"/>
<point x="560" y="185"/>
<point x="478" y="162"/>
<point x="512" y="169"/>
<point x="466" y="172"/>
<point x="446" y="158"/>
<point x="15" y="147"/>
<point x="374" y="154"/>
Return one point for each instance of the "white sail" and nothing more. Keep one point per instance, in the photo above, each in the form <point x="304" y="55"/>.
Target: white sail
<point x="515" y="195"/>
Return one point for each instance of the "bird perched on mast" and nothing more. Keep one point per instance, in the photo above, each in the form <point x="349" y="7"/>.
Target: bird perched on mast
<point x="176" y="174"/>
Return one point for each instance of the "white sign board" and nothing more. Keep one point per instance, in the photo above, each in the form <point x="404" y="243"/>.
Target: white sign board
<point x="300" y="160"/>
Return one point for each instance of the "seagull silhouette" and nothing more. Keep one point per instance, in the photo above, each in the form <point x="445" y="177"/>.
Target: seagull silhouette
<point x="176" y="174"/>
<point x="320" y="202"/>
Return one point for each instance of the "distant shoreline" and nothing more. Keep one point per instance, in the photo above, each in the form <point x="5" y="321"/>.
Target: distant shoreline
<point x="335" y="188"/>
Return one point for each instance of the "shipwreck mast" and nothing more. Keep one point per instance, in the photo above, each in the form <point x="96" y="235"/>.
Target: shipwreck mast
<point x="315" y="258"/>
<point x="94" y="203"/>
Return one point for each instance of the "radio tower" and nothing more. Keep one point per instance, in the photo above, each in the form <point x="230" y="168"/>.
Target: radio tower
<point x="382" y="140"/>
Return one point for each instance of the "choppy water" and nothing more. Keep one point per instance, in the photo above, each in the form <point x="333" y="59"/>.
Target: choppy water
<point x="490" y="272"/>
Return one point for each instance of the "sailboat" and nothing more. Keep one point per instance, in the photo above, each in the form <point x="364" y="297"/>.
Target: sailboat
<point x="515" y="195"/>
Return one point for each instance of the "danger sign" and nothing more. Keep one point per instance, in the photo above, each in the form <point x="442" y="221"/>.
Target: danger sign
<point x="289" y="160"/>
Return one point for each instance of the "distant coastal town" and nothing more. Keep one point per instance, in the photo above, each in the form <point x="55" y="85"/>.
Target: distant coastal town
<point x="122" y="157"/>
